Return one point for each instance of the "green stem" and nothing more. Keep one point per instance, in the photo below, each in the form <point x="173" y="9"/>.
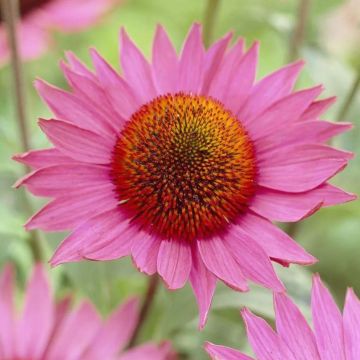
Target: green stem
<point x="209" y="20"/>
<point x="10" y="12"/>
<point x="153" y="285"/>
<point x="298" y="37"/>
<point x="349" y="98"/>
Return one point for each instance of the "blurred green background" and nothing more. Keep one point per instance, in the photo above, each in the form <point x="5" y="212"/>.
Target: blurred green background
<point x="332" y="235"/>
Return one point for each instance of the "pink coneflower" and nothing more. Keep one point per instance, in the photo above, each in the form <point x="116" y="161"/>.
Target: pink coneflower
<point x="183" y="163"/>
<point x="335" y="336"/>
<point x="37" y="17"/>
<point x="49" y="330"/>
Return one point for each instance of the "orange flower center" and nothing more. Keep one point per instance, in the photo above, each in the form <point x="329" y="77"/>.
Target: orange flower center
<point x="184" y="167"/>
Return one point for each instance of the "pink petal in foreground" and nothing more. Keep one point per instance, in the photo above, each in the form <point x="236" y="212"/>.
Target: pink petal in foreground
<point x="174" y="263"/>
<point x="118" y="91"/>
<point x="41" y="158"/>
<point x="292" y="327"/>
<point x="203" y="283"/>
<point x="352" y="326"/>
<point x="301" y="167"/>
<point x="316" y="109"/>
<point x="218" y="352"/>
<point x="35" y="325"/>
<point x="94" y="234"/>
<point x="269" y="90"/>
<point x="72" y="108"/>
<point x="65" y="179"/>
<point x="282" y="114"/>
<point x="77" y="143"/>
<point x="58" y="214"/>
<point x="213" y="60"/>
<point x="219" y="259"/>
<point x="264" y="341"/>
<point x="252" y="259"/>
<point x="327" y="321"/>
<point x="164" y="62"/>
<point x="191" y="67"/>
<point x="136" y="69"/>
<point x="144" y="251"/>
<point x="276" y="243"/>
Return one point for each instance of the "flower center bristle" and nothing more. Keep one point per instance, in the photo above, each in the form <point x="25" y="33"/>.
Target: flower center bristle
<point x="184" y="167"/>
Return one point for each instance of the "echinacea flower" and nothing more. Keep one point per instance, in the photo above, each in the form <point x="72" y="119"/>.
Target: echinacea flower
<point x="183" y="164"/>
<point x="49" y="330"/>
<point x="335" y="336"/>
<point x="37" y="17"/>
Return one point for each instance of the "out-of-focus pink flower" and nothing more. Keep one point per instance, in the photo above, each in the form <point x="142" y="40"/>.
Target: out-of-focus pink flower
<point x="49" y="330"/>
<point x="38" y="17"/>
<point x="335" y="336"/>
<point x="183" y="163"/>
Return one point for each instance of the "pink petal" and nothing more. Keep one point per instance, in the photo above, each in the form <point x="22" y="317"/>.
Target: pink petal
<point x="41" y="158"/>
<point x="252" y="259"/>
<point x="191" y="67"/>
<point x="276" y="243"/>
<point x="77" y="143"/>
<point x="294" y="330"/>
<point x="265" y="343"/>
<point x="69" y="342"/>
<point x="136" y="69"/>
<point x="94" y="234"/>
<point x="7" y="312"/>
<point x="92" y="91"/>
<point x="213" y="61"/>
<point x="230" y="64"/>
<point x="352" y="326"/>
<point x="219" y="259"/>
<point x="164" y="62"/>
<point x="174" y="263"/>
<point x="218" y="352"/>
<point x="67" y="212"/>
<point x="118" y="91"/>
<point x="145" y="252"/>
<point x="327" y="322"/>
<point x="148" y="351"/>
<point x="269" y="90"/>
<point x="333" y="195"/>
<point x="78" y="66"/>
<point x="65" y="179"/>
<point x="117" y="331"/>
<point x="203" y="283"/>
<point x="302" y="133"/>
<point x="316" y="109"/>
<point x="35" y="326"/>
<point x="241" y="80"/>
<point x="282" y="113"/>
<point x="72" y="108"/>
<point x="300" y="168"/>
<point x="281" y="206"/>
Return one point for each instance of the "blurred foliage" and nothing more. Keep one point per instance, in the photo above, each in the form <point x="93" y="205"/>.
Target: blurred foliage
<point x="332" y="235"/>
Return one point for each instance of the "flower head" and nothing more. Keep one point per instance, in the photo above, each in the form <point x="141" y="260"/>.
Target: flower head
<point x="335" y="336"/>
<point x="38" y="17"/>
<point x="183" y="164"/>
<point x="49" y="330"/>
